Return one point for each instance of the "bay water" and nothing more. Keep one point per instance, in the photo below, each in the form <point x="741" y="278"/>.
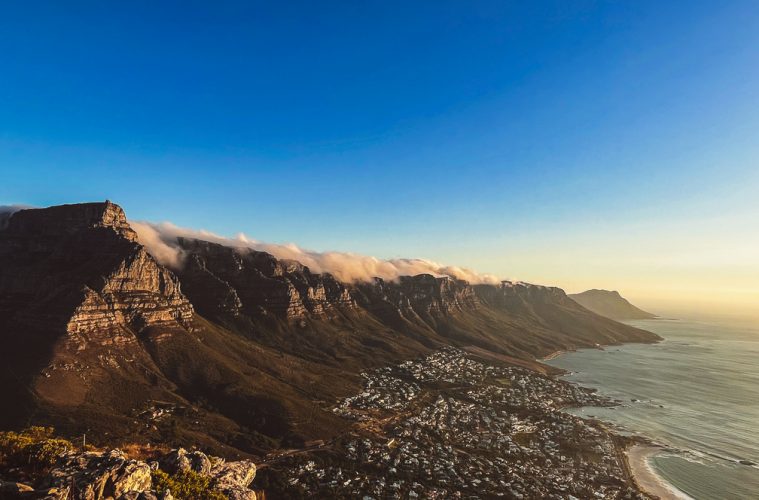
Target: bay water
<point x="696" y="393"/>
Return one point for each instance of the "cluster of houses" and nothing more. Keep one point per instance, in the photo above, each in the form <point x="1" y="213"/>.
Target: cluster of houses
<point x="447" y="426"/>
<point x="383" y="391"/>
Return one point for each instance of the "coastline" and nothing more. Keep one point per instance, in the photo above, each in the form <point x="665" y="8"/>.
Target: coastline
<point x="646" y="477"/>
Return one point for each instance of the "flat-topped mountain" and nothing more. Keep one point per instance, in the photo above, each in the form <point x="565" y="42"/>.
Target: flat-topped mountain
<point x="610" y="304"/>
<point x="80" y="268"/>
<point x="236" y="350"/>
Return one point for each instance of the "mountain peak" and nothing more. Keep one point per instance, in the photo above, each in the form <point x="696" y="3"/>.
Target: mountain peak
<point x="80" y="268"/>
<point x="611" y="304"/>
<point x="69" y="219"/>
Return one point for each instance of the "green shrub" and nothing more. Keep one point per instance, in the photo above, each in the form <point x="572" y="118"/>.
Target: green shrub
<point x="188" y="485"/>
<point x="34" y="447"/>
<point x="45" y="453"/>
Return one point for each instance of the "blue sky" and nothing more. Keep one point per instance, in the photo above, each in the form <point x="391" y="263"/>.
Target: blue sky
<point x="570" y="143"/>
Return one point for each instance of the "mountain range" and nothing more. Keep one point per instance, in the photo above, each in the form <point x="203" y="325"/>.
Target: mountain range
<point x="235" y="351"/>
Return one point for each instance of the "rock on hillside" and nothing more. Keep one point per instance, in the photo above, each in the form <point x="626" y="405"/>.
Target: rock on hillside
<point x="96" y="475"/>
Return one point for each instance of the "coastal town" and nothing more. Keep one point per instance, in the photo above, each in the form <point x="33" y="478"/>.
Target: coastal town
<point x="449" y="426"/>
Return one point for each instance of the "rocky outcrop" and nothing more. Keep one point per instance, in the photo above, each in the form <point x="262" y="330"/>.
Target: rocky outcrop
<point x="80" y="268"/>
<point x="96" y="475"/>
<point x="180" y="460"/>
<point x="233" y="479"/>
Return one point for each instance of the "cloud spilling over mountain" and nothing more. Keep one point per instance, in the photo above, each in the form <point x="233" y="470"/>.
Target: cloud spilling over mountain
<point x="6" y="211"/>
<point x="161" y="241"/>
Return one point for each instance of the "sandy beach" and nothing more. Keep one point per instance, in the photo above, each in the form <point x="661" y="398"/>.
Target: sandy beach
<point x="647" y="479"/>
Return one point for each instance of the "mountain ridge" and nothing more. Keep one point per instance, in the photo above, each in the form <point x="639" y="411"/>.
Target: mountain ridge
<point x="244" y="349"/>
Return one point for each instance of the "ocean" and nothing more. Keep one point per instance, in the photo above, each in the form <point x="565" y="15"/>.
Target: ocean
<point x="697" y="393"/>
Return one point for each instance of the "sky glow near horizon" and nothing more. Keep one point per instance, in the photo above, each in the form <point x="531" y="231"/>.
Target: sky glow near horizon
<point x="593" y="145"/>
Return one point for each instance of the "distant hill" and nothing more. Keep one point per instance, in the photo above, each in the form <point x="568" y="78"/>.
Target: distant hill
<point x="610" y="304"/>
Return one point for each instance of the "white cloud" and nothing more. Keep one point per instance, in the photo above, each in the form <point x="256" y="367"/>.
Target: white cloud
<point x="161" y="241"/>
<point x="6" y="211"/>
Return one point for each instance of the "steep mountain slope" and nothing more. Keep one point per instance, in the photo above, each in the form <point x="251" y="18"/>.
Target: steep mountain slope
<point x="79" y="267"/>
<point x="511" y="318"/>
<point x="236" y="350"/>
<point x="610" y="304"/>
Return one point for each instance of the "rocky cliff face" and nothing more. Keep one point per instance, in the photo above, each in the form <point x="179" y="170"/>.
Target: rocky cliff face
<point x="417" y="299"/>
<point x="232" y="282"/>
<point x="510" y="295"/>
<point x="443" y="295"/>
<point x="80" y="268"/>
<point x="224" y="280"/>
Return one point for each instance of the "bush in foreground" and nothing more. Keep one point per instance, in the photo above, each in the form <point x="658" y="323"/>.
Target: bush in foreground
<point x="34" y="447"/>
<point x="187" y="485"/>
